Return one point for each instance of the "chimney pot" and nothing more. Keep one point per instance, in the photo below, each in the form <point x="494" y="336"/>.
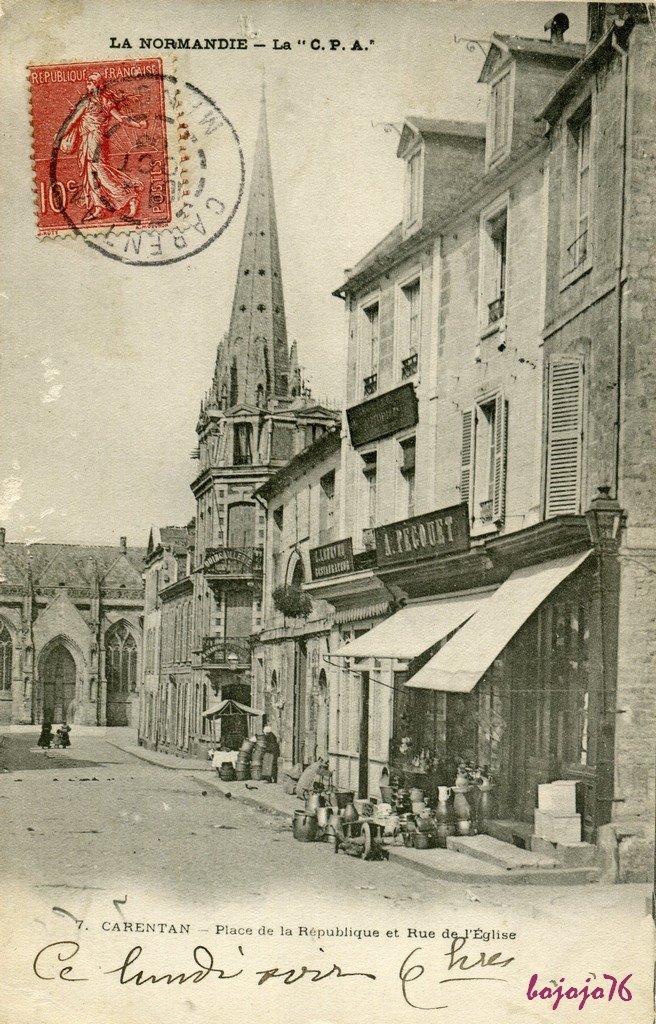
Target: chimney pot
<point x="124" y="544"/>
<point x="2" y="536"/>
<point x="557" y="27"/>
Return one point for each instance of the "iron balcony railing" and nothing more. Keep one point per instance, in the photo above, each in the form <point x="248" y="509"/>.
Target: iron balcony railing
<point x="230" y="561"/>
<point x="495" y="310"/>
<point x="227" y="652"/>
<point x="486" y="511"/>
<point x="409" y="365"/>
<point x="370" y="384"/>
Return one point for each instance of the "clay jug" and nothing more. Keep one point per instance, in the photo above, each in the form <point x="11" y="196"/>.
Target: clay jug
<point x="461" y="808"/>
<point x="313" y="802"/>
<point x="349" y="813"/>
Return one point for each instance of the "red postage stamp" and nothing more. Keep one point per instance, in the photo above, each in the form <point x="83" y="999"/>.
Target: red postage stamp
<point x="99" y="145"/>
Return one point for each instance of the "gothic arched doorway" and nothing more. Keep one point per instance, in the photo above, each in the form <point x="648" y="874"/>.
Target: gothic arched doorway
<point x="58" y="677"/>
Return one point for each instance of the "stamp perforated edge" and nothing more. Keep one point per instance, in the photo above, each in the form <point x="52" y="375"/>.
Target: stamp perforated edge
<point x="176" y="137"/>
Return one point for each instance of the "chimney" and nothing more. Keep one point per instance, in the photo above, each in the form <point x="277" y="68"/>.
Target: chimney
<point x="557" y="27"/>
<point x="123" y="545"/>
<point x="2" y="536"/>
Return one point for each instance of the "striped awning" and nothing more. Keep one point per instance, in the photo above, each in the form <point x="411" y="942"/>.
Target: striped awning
<point x="360" y="612"/>
<point x="461" y="663"/>
<point x="413" y="629"/>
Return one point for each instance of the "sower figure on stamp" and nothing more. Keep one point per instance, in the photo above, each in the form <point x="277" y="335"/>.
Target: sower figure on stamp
<point x="103" y="187"/>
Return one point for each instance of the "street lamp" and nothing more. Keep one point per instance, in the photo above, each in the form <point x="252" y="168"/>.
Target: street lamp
<point x="604" y="518"/>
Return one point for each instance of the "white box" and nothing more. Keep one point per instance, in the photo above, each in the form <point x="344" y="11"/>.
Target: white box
<point x="543" y="824"/>
<point x="545" y="801"/>
<point x="566" y="829"/>
<point x="563" y="798"/>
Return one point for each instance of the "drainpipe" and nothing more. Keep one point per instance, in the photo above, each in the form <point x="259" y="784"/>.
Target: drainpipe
<point x="620" y="262"/>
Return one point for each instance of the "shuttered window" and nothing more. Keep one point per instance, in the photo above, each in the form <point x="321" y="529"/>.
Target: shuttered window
<point x="564" y="436"/>
<point x="500" y="428"/>
<point x="467" y="453"/>
<point x="483" y="461"/>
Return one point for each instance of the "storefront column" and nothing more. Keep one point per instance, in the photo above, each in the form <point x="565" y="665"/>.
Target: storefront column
<point x="363" y="767"/>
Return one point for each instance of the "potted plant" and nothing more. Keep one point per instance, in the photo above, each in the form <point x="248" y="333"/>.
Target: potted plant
<point x="292" y="602"/>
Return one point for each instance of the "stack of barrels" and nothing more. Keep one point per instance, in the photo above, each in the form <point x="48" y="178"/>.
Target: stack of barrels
<point x="257" y="756"/>
<point x="244" y="765"/>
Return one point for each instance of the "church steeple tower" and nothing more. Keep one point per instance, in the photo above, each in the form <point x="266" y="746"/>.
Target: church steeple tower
<point x="253" y="360"/>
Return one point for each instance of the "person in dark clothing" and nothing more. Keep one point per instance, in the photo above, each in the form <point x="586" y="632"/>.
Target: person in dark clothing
<point x="273" y="748"/>
<point x="63" y="735"/>
<point x="45" y="739"/>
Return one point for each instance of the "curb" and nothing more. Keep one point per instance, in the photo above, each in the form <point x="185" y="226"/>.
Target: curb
<point x="143" y="756"/>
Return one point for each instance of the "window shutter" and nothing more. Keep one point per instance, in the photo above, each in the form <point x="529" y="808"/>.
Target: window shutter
<point x="564" y="436"/>
<point x="467" y="454"/>
<point x="500" y="445"/>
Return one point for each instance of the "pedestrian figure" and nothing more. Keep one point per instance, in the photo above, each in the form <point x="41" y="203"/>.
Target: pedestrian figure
<point x="63" y="735"/>
<point x="45" y="739"/>
<point x="273" y="748"/>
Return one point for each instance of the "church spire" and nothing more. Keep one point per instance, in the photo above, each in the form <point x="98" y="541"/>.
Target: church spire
<point x="253" y="360"/>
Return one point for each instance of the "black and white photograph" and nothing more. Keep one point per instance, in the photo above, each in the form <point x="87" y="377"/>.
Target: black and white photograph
<point x="328" y="511"/>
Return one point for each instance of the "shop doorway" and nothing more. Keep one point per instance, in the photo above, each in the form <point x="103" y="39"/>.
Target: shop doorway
<point x="59" y="677"/>
<point x="300" y="690"/>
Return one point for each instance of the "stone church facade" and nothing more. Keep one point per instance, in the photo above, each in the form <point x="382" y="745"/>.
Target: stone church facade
<point x="70" y="633"/>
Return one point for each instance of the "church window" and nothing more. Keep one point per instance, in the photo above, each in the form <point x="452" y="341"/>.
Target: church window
<point x="121" y="655"/>
<point x="261" y="307"/>
<point x="246" y="272"/>
<point x="261" y="271"/>
<point x="6" y="650"/>
<point x="243" y="308"/>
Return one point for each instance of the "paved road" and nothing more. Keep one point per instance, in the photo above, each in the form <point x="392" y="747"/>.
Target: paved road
<point x="94" y="825"/>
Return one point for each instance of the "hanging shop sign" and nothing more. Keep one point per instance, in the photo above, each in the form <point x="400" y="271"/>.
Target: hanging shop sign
<point x="443" y="532"/>
<point x="331" y="559"/>
<point x="383" y="415"/>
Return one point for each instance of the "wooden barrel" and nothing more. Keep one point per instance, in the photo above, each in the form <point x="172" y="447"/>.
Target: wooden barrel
<point x="227" y="772"/>
<point x="242" y="774"/>
<point x="256" y="773"/>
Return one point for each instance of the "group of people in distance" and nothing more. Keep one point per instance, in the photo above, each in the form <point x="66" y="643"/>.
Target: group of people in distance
<point x="60" y="739"/>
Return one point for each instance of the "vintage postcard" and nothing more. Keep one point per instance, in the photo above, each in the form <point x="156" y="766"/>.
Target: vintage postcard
<point x="327" y="530"/>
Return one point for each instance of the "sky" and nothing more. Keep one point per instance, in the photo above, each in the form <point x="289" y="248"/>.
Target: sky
<point x="104" y="365"/>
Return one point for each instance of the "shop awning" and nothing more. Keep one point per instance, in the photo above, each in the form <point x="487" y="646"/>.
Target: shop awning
<point x="230" y="707"/>
<point x="413" y="629"/>
<point x="460" y="664"/>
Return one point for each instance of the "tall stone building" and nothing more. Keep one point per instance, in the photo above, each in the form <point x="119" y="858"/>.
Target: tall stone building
<point x="254" y="418"/>
<point x="70" y="633"/>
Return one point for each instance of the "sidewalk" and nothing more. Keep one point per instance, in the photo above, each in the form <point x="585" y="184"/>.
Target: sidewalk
<point x="443" y="865"/>
<point x="126" y="740"/>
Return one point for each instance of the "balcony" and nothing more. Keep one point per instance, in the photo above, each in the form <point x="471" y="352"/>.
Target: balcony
<point x="496" y="309"/>
<point x="233" y="563"/>
<point x="370" y="385"/>
<point x="409" y="366"/>
<point x="233" y="652"/>
<point x="485" y="509"/>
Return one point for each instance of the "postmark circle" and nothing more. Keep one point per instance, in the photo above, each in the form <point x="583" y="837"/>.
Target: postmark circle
<point x="204" y="174"/>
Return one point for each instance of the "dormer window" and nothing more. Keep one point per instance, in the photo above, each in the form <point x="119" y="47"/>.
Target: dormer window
<point x="499" y="117"/>
<point x="413" y="186"/>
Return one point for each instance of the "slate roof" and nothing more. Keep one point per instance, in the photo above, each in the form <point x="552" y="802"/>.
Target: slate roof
<point x="73" y="565"/>
<point x="536" y="47"/>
